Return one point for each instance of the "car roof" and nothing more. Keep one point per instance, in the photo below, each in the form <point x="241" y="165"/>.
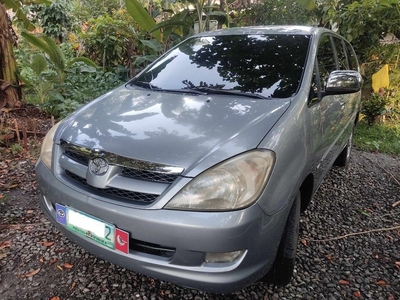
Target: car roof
<point x="273" y="29"/>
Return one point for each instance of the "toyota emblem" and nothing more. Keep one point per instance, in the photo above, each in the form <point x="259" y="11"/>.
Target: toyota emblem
<point x="98" y="166"/>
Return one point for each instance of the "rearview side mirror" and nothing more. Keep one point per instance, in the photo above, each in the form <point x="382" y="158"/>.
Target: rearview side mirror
<point x="343" y="82"/>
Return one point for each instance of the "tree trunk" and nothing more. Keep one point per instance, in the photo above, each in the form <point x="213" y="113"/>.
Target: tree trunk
<point x="222" y="7"/>
<point x="10" y="95"/>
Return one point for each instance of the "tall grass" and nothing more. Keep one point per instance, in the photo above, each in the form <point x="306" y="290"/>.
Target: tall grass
<point x="381" y="137"/>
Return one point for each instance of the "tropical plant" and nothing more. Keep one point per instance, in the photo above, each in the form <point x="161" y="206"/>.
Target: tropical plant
<point x="110" y="40"/>
<point x="362" y="22"/>
<point x="373" y="107"/>
<point x="275" y="12"/>
<point x="10" y="93"/>
<point x="81" y="86"/>
<point x="55" y="56"/>
<point x="38" y="83"/>
<point x="55" y="18"/>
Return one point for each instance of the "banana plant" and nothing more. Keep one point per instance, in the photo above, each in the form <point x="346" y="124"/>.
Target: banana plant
<point x="16" y="6"/>
<point x="142" y="18"/>
<point x="39" y="84"/>
<point x="55" y="56"/>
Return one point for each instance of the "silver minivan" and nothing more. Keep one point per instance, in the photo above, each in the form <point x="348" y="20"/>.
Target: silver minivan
<point x="196" y="170"/>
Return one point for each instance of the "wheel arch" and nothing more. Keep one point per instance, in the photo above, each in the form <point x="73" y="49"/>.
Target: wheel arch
<point x="306" y="191"/>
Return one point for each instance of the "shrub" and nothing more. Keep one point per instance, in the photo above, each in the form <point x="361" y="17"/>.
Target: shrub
<point x="373" y="107"/>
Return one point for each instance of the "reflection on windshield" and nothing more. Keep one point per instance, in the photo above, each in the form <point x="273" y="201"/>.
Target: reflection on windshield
<point x="268" y="65"/>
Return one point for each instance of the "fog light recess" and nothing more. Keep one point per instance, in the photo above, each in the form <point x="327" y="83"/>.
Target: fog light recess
<point x="223" y="257"/>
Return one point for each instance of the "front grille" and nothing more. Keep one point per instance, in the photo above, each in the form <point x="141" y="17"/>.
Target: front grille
<point x="131" y="168"/>
<point x="78" y="156"/>
<point x="150" y="248"/>
<point x="114" y="192"/>
<point x="149" y="176"/>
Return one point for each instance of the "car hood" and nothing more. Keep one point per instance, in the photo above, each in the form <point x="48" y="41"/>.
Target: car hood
<point x="190" y="131"/>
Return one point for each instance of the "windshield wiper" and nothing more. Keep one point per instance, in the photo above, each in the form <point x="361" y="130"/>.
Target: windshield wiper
<point x="145" y="84"/>
<point x="209" y="90"/>
<point x="152" y="87"/>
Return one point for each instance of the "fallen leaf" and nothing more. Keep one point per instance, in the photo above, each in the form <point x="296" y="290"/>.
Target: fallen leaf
<point x="381" y="282"/>
<point x="304" y="242"/>
<point x="376" y="256"/>
<point x="3" y="255"/>
<point x="30" y="274"/>
<point x="46" y="244"/>
<point x="5" y="244"/>
<point x="329" y="257"/>
<point x="30" y="211"/>
<point x="397" y="263"/>
<point x="73" y="285"/>
<point x="1" y="196"/>
<point x="61" y="250"/>
<point x="68" y="266"/>
<point x="343" y="282"/>
<point x="60" y="268"/>
<point x="53" y="261"/>
<point x="357" y="294"/>
<point x="41" y="260"/>
<point x="55" y="298"/>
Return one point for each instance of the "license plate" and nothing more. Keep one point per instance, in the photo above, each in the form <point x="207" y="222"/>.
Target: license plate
<point x="86" y="225"/>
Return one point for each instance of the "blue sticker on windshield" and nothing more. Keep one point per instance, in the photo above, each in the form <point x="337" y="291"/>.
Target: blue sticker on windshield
<point x="61" y="214"/>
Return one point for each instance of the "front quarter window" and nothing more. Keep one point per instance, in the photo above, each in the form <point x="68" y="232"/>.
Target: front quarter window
<point x="268" y="65"/>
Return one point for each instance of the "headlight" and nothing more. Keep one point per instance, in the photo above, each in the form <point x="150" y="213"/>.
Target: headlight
<point x="47" y="146"/>
<point x="233" y="184"/>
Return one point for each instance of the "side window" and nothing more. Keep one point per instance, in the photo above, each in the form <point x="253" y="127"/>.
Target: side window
<point x="326" y="60"/>
<point x="341" y="54"/>
<point x="352" y="58"/>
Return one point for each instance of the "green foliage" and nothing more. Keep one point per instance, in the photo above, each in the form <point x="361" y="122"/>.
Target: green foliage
<point x="307" y="4"/>
<point x="83" y="10"/>
<point x="81" y="86"/>
<point x="394" y="96"/>
<point x="275" y="12"/>
<point x="55" y="56"/>
<point x="362" y="22"/>
<point x="55" y="19"/>
<point x="38" y="82"/>
<point x="110" y="40"/>
<point x="380" y="55"/>
<point x="16" y="148"/>
<point x="17" y="7"/>
<point x="381" y="137"/>
<point x="142" y="18"/>
<point x="61" y="85"/>
<point x="373" y="107"/>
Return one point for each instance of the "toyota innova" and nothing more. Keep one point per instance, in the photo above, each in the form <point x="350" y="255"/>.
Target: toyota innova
<point x="196" y="170"/>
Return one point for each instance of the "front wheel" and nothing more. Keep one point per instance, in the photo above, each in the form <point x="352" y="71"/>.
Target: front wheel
<point x="282" y="270"/>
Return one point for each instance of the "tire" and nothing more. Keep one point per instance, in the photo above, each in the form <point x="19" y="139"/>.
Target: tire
<point x="344" y="157"/>
<point x="282" y="270"/>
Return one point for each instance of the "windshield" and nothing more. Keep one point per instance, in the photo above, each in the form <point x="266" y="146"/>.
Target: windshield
<point x="268" y="65"/>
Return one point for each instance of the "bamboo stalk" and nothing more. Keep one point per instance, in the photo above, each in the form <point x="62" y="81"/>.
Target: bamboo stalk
<point x="17" y="130"/>
<point x="25" y="138"/>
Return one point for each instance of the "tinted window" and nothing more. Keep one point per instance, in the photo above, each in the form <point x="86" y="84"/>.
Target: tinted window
<point x="342" y="54"/>
<point x="352" y="58"/>
<point x="270" y="65"/>
<point x="326" y="60"/>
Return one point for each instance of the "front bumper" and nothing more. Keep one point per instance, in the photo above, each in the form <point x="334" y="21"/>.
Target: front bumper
<point x="190" y="235"/>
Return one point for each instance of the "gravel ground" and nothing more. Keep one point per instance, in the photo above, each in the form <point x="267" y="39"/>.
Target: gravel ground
<point x="37" y="262"/>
